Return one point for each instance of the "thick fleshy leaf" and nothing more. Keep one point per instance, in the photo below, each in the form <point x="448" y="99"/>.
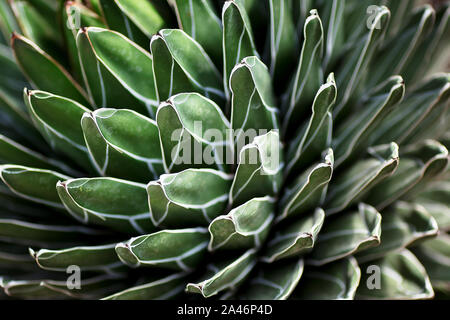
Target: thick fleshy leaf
<point x="335" y="281"/>
<point x="418" y="105"/>
<point x="193" y="133"/>
<point x="436" y="200"/>
<point x="307" y="191"/>
<point x="91" y="258"/>
<point x="351" y="136"/>
<point x="156" y="287"/>
<point x="8" y="22"/>
<point x="401" y="276"/>
<point x="403" y="225"/>
<point x="58" y="120"/>
<point x="91" y="288"/>
<point x="246" y="226"/>
<point x="117" y="20"/>
<point x="238" y="41"/>
<point x="36" y="185"/>
<point x="357" y="180"/>
<point x="15" y="256"/>
<point x="225" y="275"/>
<point x="253" y="101"/>
<point x="315" y="136"/>
<point x="294" y="238"/>
<point x="396" y="52"/>
<point x="347" y="234"/>
<point x="117" y="204"/>
<point x="283" y="40"/>
<point x="199" y="20"/>
<point x="118" y="73"/>
<point x="309" y="74"/>
<point x="420" y="164"/>
<point x="44" y="72"/>
<point x="259" y="171"/>
<point x="148" y="16"/>
<point x="187" y="70"/>
<point x="182" y="249"/>
<point x="273" y="281"/>
<point x="334" y="30"/>
<point x="123" y="144"/>
<point x="351" y="73"/>
<point x="190" y="198"/>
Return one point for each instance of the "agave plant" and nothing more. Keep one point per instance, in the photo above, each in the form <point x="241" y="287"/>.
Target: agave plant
<point x="348" y="193"/>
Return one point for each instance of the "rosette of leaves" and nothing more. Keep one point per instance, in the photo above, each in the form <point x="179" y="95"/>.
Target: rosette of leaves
<point x="126" y="155"/>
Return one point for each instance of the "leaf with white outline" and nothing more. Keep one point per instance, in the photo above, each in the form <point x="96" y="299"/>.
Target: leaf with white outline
<point x="403" y="225"/>
<point x="228" y="274"/>
<point x="189" y="198"/>
<point x="123" y="144"/>
<point x="436" y="200"/>
<point x="351" y="136"/>
<point x="199" y="20"/>
<point x="181" y="249"/>
<point x="237" y="41"/>
<point x="334" y="30"/>
<point x="253" y="101"/>
<point x="36" y="185"/>
<point x="294" y="238"/>
<point x="244" y="227"/>
<point x="309" y="75"/>
<point x="117" y="204"/>
<point x="155" y="287"/>
<point x="351" y="76"/>
<point x="58" y="120"/>
<point x="402" y="277"/>
<point x="347" y="234"/>
<point x="187" y="70"/>
<point x="44" y="72"/>
<point x="8" y="23"/>
<point x="315" y="136"/>
<point x="335" y="281"/>
<point x="193" y="132"/>
<point x="89" y="258"/>
<point x="308" y="190"/>
<point x="420" y="164"/>
<point x="117" y="72"/>
<point x="259" y="171"/>
<point x="357" y="180"/>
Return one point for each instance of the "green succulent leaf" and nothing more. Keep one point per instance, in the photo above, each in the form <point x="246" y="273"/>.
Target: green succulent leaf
<point x="273" y="281"/>
<point x="123" y="144"/>
<point x="199" y="20"/>
<point x="117" y="71"/>
<point x="335" y="281"/>
<point x="347" y="234"/>
<point x="402" y="276"/>
<point x="58" y="120"/>
<point x="8" y="22"/>
<point x="308" y="190"/>
<point x="117" y="204"/>
<point x="189" y="198"/>
<point x="315" y="136"/>
<point x="187" y="70"/>
<point x="156" y="287"/>
<point x="333" y="30"/>
<point x="244" y="227"/>
<point x="251" y="89"/>
<point x="226" y="274"/>
<point x="309" y="74"/>
<point x="44" y="72"/>
<point x="420" y="164"/>
<point x="238" y="41"/>
<point x="193" y="133"/>
<point x="14" y="256"/>
<point x="436" y="200"/>
<point x="351" y="136"/>
<point x="357" y="180"/>
<point x="180" y="249"/>
<point x="90" y="258"/>
<point x="294" y="239"/>
<point x="403" y="226"/>
<point x="259" y="170"/>
<point x="36" y="185"/>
